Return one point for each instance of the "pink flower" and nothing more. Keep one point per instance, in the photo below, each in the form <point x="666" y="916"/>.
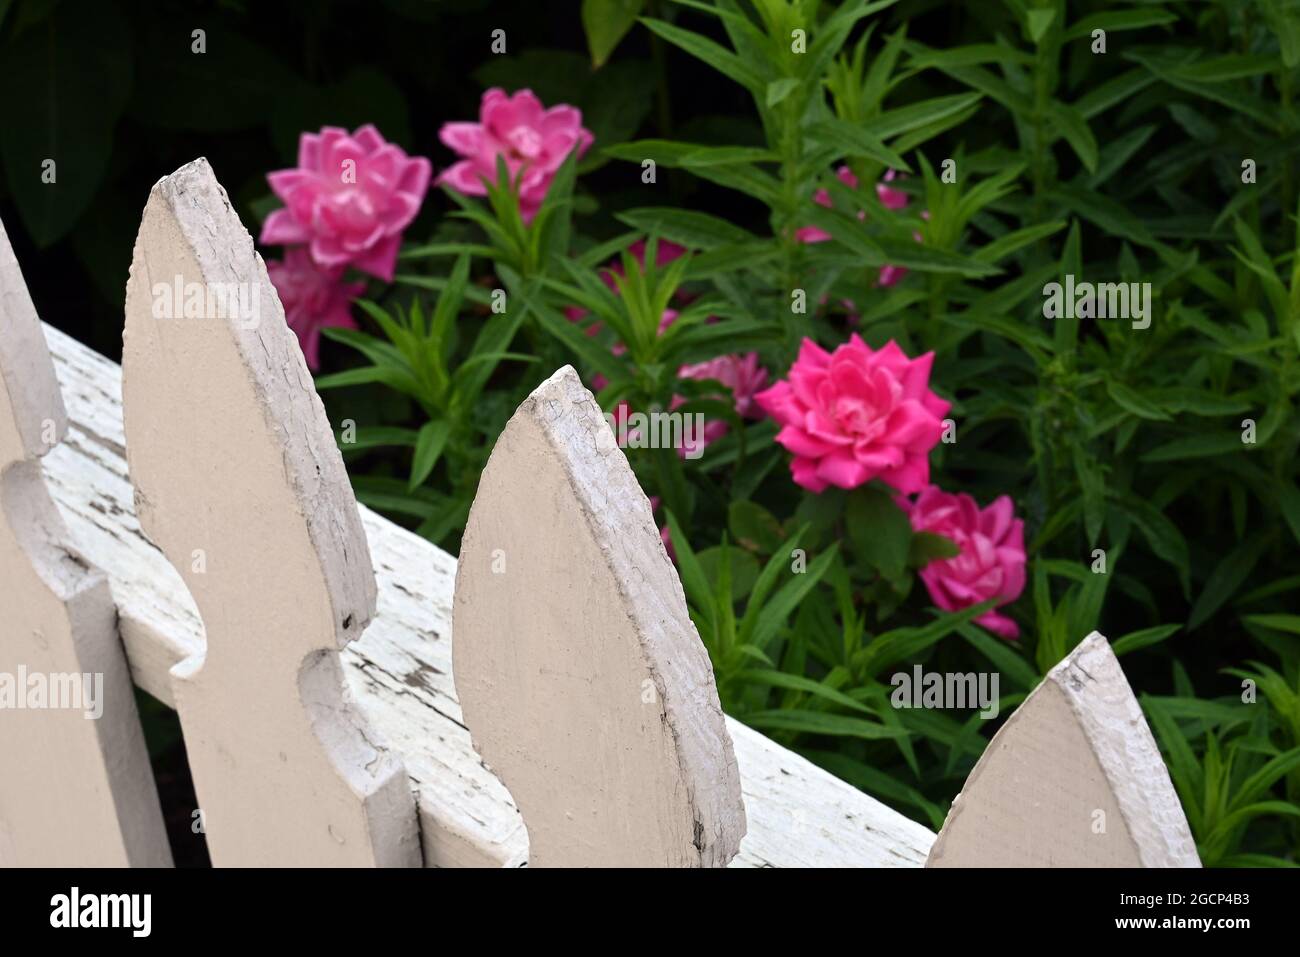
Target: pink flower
<point x="889" y="197"/>
<point x="349" y="199"/>
<point x="313" y="298"/>
<point x="822" y="197"/>
<point x="857" y="414"/>
<point x="992" y="559"/>
<point x="889" y="275"/>
<point x="665" y="252"/>
<point x="665" y="533"/>
<point x="534" y="142"/>
<point x="742" y="375"/>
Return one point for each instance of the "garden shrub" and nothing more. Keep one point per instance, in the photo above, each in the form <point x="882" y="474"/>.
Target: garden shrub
<point x="1013" y="316"/>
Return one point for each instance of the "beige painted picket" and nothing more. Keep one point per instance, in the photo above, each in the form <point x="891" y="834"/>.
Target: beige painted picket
<point x="306" y="642"/>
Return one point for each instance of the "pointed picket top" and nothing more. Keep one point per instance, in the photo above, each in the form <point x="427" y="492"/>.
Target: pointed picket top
<point x="1073" y="779"/>
<point x="581" y="676"/>
<point x="239" y="482"/>
<point x="76" y="788"/>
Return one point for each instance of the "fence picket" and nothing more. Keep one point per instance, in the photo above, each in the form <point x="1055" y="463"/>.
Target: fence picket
<point x="1073" y="779"/>
<point x="73" y="791"/>
<point x="581" y="676"/>
<point x="239" y="482"/>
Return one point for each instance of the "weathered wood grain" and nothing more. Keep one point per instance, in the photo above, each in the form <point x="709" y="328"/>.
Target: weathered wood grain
<point x="75" y="783"/>
<point x="1073" y="779"/>
<point x="238" y="480"/>
<point x="582" y="678"/>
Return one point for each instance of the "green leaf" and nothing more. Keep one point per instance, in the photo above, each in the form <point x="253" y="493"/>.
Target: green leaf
<point x="1227" y="577"/>
<point x="1162" y="536"/>
<point x="1007" y="661"/>
<point x="754" y="526"/>
<point x="1010" y="242"/>
<point x="606" y="22"/>
<point x="1115" y="20"/>
<point x="819" y="722"/>
<point x="1142" y="638"/>
<point x="428" y="447"/>
<point x="711" y="53"/>
<point x="1071" y="124"/>
<point x="377" y="437"/>
<point x="1278" y="622"/>
<point x="902" y="644"/>
<point x="726" y="156"/>
<point x="780" y="679"/>
<point x="1093" y="485"/>
<point x="927" y="547"/>
<point x="694" y="581"/>
<point x="1259" y="783"/>
<point x="1131" y="401"/>
<point x="1195" y="447"/>
<point x="743" y="568"/>
<point x="891" y="123"/>
<point x="852" y="140"/>
<point x="1038" y="21"/>
<point x="778" y="90"/>
<point x="688" y="227"/>
<point x="880" y="531"/>
<point x="1289" y="501"/>
<point x="773" y="614"/>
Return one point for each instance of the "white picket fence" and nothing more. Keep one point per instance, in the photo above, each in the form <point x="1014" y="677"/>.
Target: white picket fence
<point x="306" y="642"/>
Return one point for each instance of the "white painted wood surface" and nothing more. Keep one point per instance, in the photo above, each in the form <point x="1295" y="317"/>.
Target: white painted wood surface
<point x="583" y="681"/>
<point x="400" y="670"/>
<point x="239" y="482"/>
<point x="75" y="783"/>
<point x="1073" y="779"/>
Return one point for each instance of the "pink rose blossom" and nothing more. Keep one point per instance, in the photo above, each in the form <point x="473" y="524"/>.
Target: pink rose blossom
<point x="742" y="375"/>
<point x="313" y="298"/>
<point x="856" y="414"/>
<point x="349" y="199"/>
<point x="534" y="142"/>
<point x="992" y="559"/>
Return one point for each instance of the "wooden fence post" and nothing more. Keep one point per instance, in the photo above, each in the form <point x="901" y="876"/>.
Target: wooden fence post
<point x="75" y="784"/>
<point x="581" y="676"/>
<point x="1073" y="779"/>
<point x="239" y="482"/>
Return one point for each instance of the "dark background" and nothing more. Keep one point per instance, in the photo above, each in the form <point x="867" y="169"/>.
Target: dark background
<point x="111" y="90"/>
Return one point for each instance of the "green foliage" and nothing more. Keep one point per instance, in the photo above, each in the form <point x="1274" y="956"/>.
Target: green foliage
<point x="1154" y="459"/>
